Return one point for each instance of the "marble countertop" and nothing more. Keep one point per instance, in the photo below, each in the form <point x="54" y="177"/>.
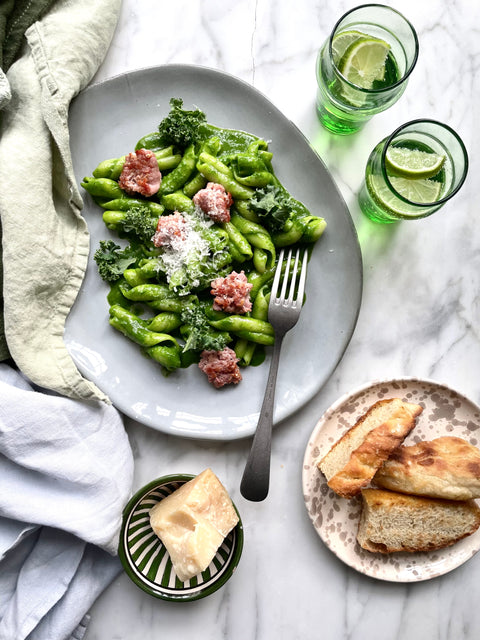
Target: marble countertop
<point x="419" y="317"/>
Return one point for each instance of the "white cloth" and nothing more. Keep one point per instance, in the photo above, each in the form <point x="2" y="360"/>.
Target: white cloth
<point x="66" y="472"/>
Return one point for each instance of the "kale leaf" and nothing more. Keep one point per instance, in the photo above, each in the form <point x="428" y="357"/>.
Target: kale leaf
<point x="273" y="206"/>
<point x="181" y="127"/>
<point x="139" y="223"/>
<point x="200" y="334"/>
<point x="112" y="260"/>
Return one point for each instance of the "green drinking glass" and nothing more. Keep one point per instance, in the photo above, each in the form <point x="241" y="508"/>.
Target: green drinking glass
<point x="364" y="66"/>
<point x="413" y="172"/>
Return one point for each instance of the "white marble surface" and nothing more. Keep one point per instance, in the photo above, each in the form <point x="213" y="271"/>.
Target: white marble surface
<point x="419" y="317"/>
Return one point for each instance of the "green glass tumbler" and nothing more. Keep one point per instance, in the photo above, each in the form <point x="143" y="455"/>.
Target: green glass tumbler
<point x="344" y="107"/>
<point x="413" y="172"/>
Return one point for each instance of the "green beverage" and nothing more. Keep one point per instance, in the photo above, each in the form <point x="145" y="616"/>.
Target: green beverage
<point x="413" y="172"/>
<point x="362" y="69"/>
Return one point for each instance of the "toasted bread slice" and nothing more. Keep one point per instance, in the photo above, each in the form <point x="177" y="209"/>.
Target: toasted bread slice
<point x="447" y="467"/>
<point x="353" y="461"/>
<point x="392" y="522"/>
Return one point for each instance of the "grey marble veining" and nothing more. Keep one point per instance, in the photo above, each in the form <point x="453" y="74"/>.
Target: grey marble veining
<point x="419" y="317"/>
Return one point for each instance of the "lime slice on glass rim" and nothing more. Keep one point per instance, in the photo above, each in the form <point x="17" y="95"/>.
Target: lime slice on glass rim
<point x="413" y="163"/>
<point x="422" y="191"/>
<point x="341" y="41"/>
<point x="362" y="63"/>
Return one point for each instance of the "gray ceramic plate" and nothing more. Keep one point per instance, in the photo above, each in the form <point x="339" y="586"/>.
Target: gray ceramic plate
<point x="106" y="120"/>
<point x="446" y="413"/>
<point x="146" y="560"/>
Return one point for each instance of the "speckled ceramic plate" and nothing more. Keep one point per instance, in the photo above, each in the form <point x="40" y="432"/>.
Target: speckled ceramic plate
<point x="446" y="412"/>
<point x="146" y="560"/>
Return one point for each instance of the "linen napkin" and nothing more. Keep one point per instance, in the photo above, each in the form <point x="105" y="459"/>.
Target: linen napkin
<point x="66" y="471"/>
<point x="66" y="466"/>
<point x="45" y="239"/>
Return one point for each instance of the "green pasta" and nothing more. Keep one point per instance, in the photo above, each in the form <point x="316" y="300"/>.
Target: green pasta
<point x="213" y="170"/>
<point x="181" y="173"/>
<point x="165" y="322"/>
<point x="238" y="243"/>
<point x="167" y="285"/>
<point x="103" y="187"/>
<point x="166" y="159"/>
<point x="258" y="237"/>
<point x="136" y="329"/>
<point x="247" y="351"/>
<point x="169" y="357"/>
<point x="124" y="204"/>
<point x="177" y="201"/>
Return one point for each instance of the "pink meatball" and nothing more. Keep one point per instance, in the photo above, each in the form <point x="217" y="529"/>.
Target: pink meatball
<point x="232" y="293"/>
<point x="214" y="201"/>
<point x="140" y="173"/>
<point x="220" y="367"/>
<point x="171" y="229"/>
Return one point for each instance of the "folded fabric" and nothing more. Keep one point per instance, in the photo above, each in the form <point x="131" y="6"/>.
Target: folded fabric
<point x="65" y="463"/>
<point x="48" y="582"/>
<point x="45" y="238"/>
<point x="66" y="471"/>
<point x="66" y="466"/>
<point x="5" y="92"/>
<point x="15" y="18"/>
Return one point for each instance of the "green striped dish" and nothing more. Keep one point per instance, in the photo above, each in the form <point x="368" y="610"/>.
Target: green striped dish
<point x="146" y="560"/>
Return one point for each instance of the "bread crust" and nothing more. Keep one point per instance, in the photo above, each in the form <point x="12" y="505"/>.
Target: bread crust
<point x="393" y="522"/>
<point x="446" y="467"/>
<point x="376" y="446"/>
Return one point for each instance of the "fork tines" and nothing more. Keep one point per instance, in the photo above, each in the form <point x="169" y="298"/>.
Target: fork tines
<point x="293" y="272"/>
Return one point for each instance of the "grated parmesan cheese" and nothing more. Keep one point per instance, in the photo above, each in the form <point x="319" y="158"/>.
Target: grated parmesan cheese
<point x="188" y="252"/>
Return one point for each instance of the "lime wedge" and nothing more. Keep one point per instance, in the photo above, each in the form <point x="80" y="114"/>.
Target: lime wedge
<point x="421" y="191"/>
<point x="413" y="163"/>
<point x="342" y="41"/>
<point x="364" y="61"/>
<point x="384" y="198"/>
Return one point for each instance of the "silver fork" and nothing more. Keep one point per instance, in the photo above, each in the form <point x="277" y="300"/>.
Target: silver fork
<point x="283" y="314"/>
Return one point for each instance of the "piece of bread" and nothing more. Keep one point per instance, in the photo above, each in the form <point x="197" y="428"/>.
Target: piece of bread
<point x="392" y="522"/>
<point x="446" y="467"/>
<point x="353" y="461"/>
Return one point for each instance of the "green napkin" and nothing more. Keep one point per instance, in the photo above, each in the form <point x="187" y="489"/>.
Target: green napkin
<point x="15" y="18"/>
<point x="45" y="239"/>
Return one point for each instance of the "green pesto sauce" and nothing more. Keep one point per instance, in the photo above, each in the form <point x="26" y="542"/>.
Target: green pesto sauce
<point x="233" y="141"/>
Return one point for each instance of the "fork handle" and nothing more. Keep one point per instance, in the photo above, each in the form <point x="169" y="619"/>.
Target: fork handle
<point x="256" y="476"/>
